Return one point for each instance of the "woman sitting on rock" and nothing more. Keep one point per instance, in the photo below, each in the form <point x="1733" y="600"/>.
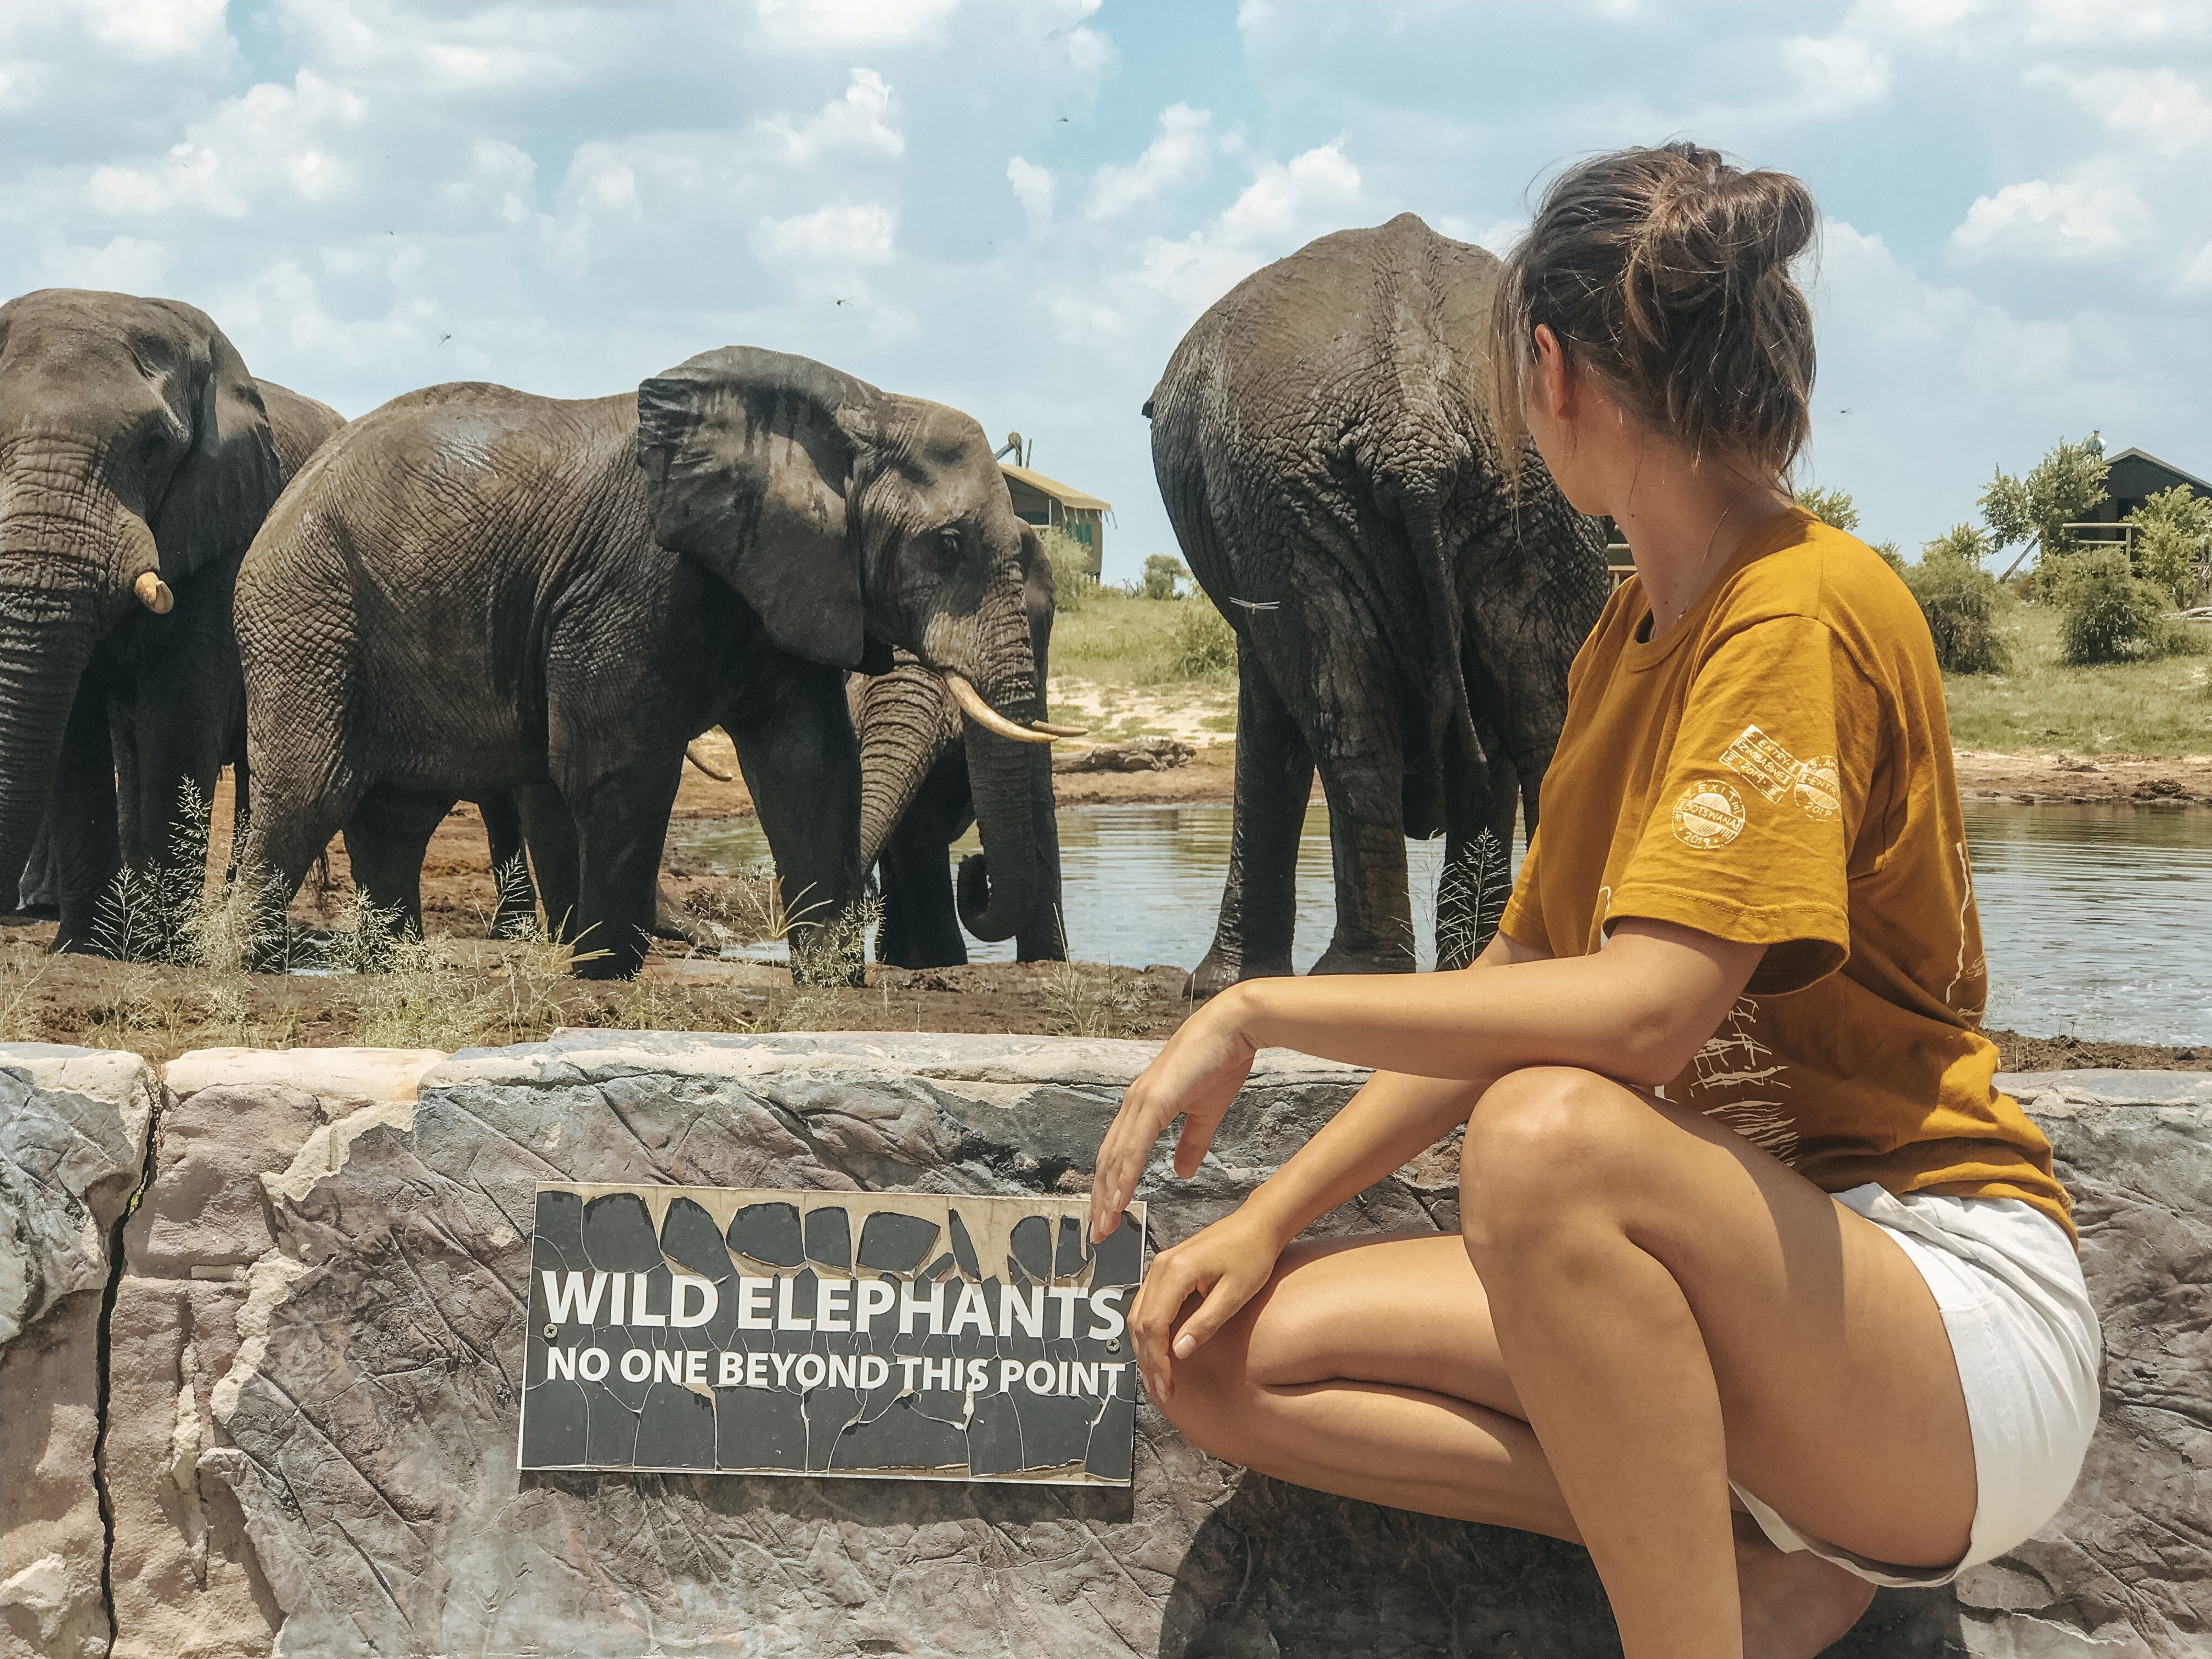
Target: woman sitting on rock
<point x="1766" y="1295"/>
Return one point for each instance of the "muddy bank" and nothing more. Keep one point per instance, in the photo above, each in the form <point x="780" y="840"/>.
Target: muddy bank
<point x="2086" y="780"/>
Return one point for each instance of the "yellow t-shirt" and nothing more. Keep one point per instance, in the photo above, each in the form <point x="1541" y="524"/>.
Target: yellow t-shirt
<point x="1776" y="769"/>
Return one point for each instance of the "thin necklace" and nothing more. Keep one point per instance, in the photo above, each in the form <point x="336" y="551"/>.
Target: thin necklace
<point x="1717" y="523"/>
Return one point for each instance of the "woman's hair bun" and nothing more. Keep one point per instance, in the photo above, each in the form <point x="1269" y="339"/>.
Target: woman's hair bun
<point x="1666" y="272"/>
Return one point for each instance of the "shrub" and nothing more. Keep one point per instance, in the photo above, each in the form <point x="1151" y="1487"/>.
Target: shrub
<point x="1892" y="555"/>
<point x="1205" y="643"/>
<point x="1071" y="581"/>
<point x="2106" y="613"/>
<point x="1960" y="601"/>
<point x="1832" y="508"/>
<point x="1161" y="576"/>
<point x="2173" y="546"/>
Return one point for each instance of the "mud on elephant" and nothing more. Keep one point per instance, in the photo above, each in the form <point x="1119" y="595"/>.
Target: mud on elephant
<point x="477" y="591"/>
<point x="137" y="458"/>
<point x="1404" y="616"/>
<point x="923" y="767"/>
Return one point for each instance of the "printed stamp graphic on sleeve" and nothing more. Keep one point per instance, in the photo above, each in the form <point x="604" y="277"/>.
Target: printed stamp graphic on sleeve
<point x="1709" y="814"/>
<point x="1775" y="772"/>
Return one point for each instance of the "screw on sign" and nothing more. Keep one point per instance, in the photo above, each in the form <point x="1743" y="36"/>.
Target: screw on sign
<point x="913" y="1335"/>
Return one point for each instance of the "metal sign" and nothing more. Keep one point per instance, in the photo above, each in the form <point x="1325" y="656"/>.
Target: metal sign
<point x="910" y="1335"/>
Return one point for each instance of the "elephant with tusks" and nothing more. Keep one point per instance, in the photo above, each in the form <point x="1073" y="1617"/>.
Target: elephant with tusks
<point x="137" y="458"/>
<point x="476" y="591"/>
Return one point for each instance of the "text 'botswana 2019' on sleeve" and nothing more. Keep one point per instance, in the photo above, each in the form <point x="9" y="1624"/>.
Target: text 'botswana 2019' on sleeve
<point x="910" y="1335"/>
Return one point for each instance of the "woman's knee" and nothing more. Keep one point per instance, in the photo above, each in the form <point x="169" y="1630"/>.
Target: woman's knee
<point x="1539" y="1141"/>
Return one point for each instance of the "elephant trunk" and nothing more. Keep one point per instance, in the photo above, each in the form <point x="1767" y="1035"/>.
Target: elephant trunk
<point x="1007" y="779"/>
<point x="905" y="727"/>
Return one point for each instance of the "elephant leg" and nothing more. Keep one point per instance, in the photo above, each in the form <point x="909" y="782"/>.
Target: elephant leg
<point x="921" y="928"/>
<point x="386" y="839"/>
<point x="88" y="852"/>
<point x="36" y="893"/>
<point x="622" y="823"/>
<point x="802" y="764"/>
<point x="549" y="829"/>
<point x="1259" y="901"/>
<point x="516" y="912"/>
<point x="1367" y="851"/>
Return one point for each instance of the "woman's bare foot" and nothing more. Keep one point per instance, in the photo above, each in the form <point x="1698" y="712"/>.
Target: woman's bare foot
<point x="1794" y="1606"/>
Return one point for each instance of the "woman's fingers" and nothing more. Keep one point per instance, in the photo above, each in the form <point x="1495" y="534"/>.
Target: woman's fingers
<point x="1229" y="1294"/>
<point x="1173" y="1281"/>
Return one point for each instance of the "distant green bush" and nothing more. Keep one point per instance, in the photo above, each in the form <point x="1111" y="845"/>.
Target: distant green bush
<point x="1161" y="576"/>
<point x="1205" y="643"/>
<point x="1892" y="555"/>
<point x="1961" y="602"/>
<point x="2106" y="613"/>
<point x="2173" y="545"/>
<point x="1832" y="507"/>
<point x="1071" y="581"/>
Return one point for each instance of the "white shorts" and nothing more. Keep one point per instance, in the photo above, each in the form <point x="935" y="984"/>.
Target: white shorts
<point x="2026" y="1340"/>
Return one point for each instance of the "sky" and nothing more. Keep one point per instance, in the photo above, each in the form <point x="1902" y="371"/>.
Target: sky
<point x="1018" y="206"/>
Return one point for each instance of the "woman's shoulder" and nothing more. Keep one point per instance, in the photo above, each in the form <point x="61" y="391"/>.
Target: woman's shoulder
<point x="1815" y="571"/>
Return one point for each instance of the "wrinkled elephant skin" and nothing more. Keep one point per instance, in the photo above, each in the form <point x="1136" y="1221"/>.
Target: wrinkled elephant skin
<point x="1404" y="618"/>
<point x="137" y="457"/>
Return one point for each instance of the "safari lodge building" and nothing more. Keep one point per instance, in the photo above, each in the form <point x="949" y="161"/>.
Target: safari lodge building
<point x="1047" y="503"/>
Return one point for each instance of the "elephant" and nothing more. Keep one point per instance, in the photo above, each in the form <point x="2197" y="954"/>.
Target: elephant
<point x="1406" y="605"/>
<point x="137" y="458"/>
<point x="475" y="591"/>
<point x="917" y="797"/>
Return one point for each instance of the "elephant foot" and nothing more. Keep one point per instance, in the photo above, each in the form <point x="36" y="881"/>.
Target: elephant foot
<point x="1222" y="970"/>
<point x="1338" y="959"/>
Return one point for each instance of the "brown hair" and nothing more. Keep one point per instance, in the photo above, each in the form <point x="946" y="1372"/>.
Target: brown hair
<point x="1665" y="273"/>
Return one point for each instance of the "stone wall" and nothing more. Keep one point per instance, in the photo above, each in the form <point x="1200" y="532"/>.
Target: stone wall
<point x="305" y="1418"/>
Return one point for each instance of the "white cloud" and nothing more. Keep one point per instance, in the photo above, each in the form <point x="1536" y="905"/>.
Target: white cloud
<point x="1287" y="205"/>
<point x="274" y="143"/>
<point x="1835" y="73"/>
<point x="833" y="239"/>
<point x="1178" y="157"/>
<point x="154" y="29"/>
<point x="2065" y="220"/>
<point x="858" y="123"/>
<point x="1033" y="187"/>
<point x="127" y="265"/>
<point x="840" y="24"/>
<point x="2166" y="111"/>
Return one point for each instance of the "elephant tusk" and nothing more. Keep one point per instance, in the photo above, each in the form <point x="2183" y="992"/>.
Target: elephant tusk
<point x="691" y="754"/>
<point x="1060" y="731"/>
<point x="972" y="705"/>
<point x="154" y="593"/>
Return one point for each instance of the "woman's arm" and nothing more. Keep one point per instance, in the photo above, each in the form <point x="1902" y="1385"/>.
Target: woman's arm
<point x="1660" y="995"/>
<point x="1637" y="1009"/>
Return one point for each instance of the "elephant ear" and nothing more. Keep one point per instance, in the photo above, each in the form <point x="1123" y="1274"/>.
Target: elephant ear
<point x="749" y="457"/>
<point x="229" y="477"/>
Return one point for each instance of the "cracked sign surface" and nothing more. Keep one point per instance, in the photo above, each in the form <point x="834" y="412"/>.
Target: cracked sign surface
<point x="715" y="1330"/>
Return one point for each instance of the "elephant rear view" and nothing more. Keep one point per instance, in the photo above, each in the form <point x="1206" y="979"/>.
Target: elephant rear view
<point x="1404" y="614"/>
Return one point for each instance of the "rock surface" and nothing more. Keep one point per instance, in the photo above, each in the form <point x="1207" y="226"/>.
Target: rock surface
<point x="317" y="1347"/>
<point x="191" y="1317"/>
<point x="73" y="1126"/>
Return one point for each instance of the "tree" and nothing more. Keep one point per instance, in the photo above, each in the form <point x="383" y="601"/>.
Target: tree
<point x="2173" y="545"/>
<point x="1832" y="508"/>
<point x="2061" y="489"/>
<point x="1960" y="601"/>
<point x="1161" y="576"/>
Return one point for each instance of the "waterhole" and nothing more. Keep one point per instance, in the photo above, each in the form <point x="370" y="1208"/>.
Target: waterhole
<point x="2097" y="920"/>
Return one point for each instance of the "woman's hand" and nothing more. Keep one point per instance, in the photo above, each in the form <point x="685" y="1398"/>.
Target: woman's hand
<point x="1225" y="1266"/>
<point x="1195" y="1077"/>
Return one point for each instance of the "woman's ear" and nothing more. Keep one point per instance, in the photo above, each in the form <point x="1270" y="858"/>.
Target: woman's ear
<point x="749" y="460"/>
<point x="219" y="493"/>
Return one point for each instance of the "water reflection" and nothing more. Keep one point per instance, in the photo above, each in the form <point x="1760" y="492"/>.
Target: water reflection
<point x="2097" y="920"/>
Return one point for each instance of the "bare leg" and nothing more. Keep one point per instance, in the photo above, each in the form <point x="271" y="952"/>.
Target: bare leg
<point x="1646" y="1279"/>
